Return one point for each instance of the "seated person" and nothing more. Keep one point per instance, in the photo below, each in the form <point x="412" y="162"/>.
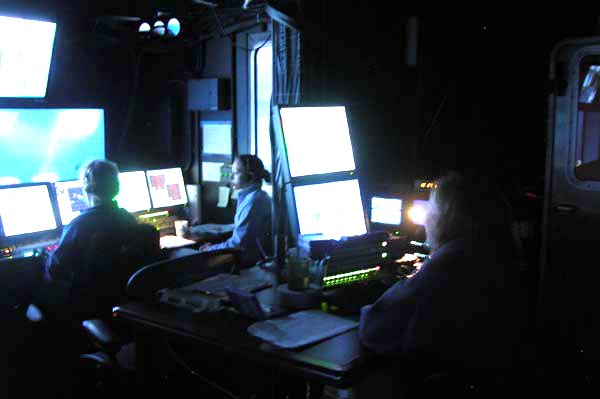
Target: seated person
<point x="461" y="308"/>
<point x="252" y="221"/>
<point x="69" y="262"/>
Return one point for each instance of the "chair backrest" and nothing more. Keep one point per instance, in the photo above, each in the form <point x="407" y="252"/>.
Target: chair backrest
<point x="180" y="271"/>
<point x="99" y="283"/>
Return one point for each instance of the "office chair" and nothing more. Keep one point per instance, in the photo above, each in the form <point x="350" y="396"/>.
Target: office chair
<point x="143" y="285"/>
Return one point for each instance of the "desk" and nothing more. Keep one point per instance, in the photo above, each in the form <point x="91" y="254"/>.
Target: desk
<point x="336" y="361"/>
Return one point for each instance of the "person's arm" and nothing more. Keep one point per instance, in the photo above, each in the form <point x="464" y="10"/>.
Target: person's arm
<point x="384" y="323"/>
<point x="59" y="264"/>
<point x="247" y="227"/>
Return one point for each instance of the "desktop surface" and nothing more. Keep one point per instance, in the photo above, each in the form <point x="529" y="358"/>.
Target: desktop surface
<point x="334" y="361"/>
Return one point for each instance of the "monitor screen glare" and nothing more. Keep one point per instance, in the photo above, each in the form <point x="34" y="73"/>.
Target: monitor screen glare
<point x="166" y="187"/>
<point x="48" y="144"/>
<point x="70" y="198"/>
<point x="386" y="210"/>
<point x="133" y="194"/>
<point x="25" y="210"/>
<point x="25" y="56"/>
<point x="317" y="133"/>
<point x="332" y="209"/>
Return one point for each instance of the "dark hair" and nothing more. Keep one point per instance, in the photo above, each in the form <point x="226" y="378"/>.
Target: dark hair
<point x="254" y="168"/>
<point x="101" y="178"/>
<point x="468" y="206"/>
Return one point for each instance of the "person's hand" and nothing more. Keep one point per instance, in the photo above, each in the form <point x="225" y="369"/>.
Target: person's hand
<point x="204" y="247"/>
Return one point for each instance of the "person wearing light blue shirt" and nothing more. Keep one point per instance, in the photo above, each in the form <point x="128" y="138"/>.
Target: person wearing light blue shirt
<point x="252" y="221"/>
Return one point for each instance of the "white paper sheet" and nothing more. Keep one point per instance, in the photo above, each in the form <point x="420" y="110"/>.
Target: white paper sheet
<point x="211" y="171"/>
<point x="223" y="197"/>
<point x="216" y="138"/>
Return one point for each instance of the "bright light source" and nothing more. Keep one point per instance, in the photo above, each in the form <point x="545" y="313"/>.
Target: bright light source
<point x="173" y="27"/>
<point x="159" y="28"/>
<point x="144" y="28"/>
<point x="417" y="214"/>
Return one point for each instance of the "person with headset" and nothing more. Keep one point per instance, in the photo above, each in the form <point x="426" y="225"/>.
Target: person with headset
<point x="101" y="185"/>
<point x="252" y="220"/>
<point x="463" y="307"/>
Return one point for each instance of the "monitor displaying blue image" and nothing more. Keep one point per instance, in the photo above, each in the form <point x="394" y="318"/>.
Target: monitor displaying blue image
<point x="317" y="140"/>
<point x="333" y="209"/>
<point x="70" y="199"/>
<point x="25" y="55"/>
<point x="48" y="144"/>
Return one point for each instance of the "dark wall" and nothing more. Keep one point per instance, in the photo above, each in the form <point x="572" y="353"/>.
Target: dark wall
<point x="475" y="100"/>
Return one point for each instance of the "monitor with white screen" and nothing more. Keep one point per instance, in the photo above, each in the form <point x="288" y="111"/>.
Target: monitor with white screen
<point x="133" y="193"/>
<point x="26" y="209"/>
<point x="386" y="210"/>
<point x="166" y="187"/>
<point x="333" y="209"/>
<point x="48" y="144"/>
<point x="317" y="140"/>
<point x="25" y="55"/>
<point x="70" y="199"/>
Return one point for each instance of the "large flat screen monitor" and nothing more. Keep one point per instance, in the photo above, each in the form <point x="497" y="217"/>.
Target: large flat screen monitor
<point x="48" y="144"/>
<point x="386" y="210"/>
<point x="166" y="187"/>
<point x="26" y="209"/>
<point x="25" y="56"/>
<point x="317" y="140"/>
<point x="70" y="199"/>
<point x="133" y="194"/>
<point x="333" y="209"/>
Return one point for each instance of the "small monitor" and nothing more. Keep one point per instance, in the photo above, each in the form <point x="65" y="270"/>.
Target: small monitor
<point x="386" y="210"/>
<point x="333" y="209"/>
<point x="25" y="55"/>
<point x="166" y="187"/>
<point x="317" y="140"/>
<point x="133" y="193"/>
<point x="418" y="212"/>
<point x="71" y="200"/>
<point x="26" y="209"/>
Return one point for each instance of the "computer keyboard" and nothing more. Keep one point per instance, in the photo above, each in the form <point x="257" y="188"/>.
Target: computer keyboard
<point x="218" y="284"/>
<point x="169" y="241"/>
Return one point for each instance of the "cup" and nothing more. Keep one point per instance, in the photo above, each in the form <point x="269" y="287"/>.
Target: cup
<point x="298" y="273"/>
<point x="181" y="227"/>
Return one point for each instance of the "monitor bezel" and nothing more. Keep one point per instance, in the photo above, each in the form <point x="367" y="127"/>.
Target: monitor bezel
<point x="313" y="182"/>
<point x="56" y="196"/>
<point x="402" y="206"/>
<point x="52" y="194"/>
<point x="278" y="109"/>
<point x="178" y="206"/>
<point x="35" y="18"/>
<point x="147" y="191"/>
<point x="35" y="107"/>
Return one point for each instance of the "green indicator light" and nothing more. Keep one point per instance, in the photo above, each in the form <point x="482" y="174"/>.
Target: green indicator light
<point x="384" y="255"/>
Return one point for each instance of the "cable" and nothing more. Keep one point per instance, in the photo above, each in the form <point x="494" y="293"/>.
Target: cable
<point x="182" y="363"/>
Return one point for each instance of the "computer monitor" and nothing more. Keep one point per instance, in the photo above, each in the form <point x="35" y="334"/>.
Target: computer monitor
<point x="26" y="209"/>
<point x="317" y="140"/>
<point x="418" y="212"/>
<point x="166" y="187"/>
<point x="71" y="200"/>
<point x="133" y="194"/>
<point x="386" y="210"/>
<point x="25" y="55"/>
<point x="333" y="209"/>
<point x="48" y="144"/>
